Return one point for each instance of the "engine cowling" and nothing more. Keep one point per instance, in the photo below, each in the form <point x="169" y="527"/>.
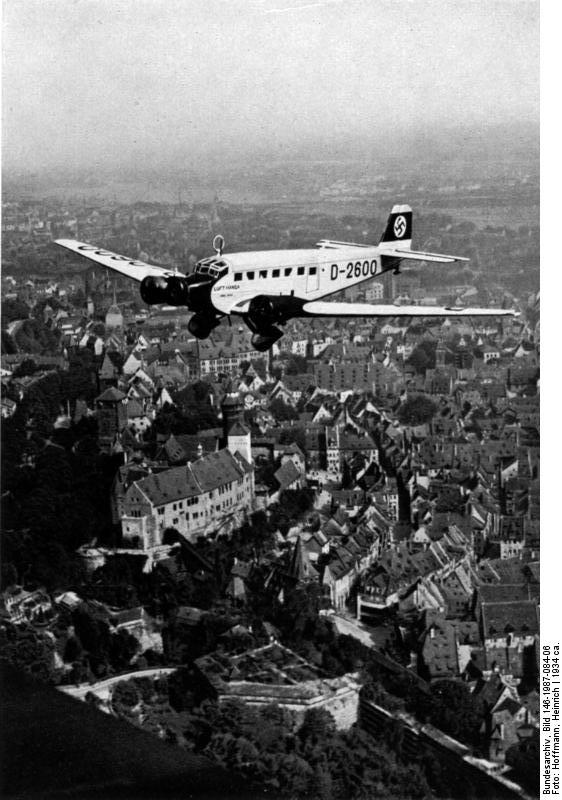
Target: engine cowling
<point x="171" y="290"/>
<point x="193" y="291"/>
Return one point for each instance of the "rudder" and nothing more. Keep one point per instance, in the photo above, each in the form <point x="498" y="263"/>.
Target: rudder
<point x="399" y="226"/>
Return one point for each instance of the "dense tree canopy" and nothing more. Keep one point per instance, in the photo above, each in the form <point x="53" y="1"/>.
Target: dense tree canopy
<point x="416" y="410"/>
<point x="282" y="411"/>
<point x="423" y="356"/>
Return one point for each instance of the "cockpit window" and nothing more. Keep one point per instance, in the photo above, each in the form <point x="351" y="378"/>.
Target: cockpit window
<point x="216" y="267"/>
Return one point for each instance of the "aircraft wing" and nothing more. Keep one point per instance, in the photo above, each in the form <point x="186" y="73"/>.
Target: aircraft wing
<point x="417" y="255"/>
<point x="131" y="267"/>
<point x="319" y="308"/>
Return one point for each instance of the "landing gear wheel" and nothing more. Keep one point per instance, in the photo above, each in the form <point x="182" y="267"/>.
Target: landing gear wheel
<point x="263" y="341"/>
<point x="201" y="326"/>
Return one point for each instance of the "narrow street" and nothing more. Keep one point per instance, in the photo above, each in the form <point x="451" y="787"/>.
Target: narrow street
<point x="346" y="624"/>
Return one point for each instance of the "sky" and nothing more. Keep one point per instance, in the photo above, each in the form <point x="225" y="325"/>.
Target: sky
<point x="99" y="82"/>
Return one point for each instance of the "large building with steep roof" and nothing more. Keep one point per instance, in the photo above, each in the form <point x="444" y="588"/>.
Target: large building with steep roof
<point x="202" y="497"/>
<point x="509" y="630"/>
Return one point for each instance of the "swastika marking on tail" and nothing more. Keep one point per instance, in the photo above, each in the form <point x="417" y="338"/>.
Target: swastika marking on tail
<point x="400" y="226"/>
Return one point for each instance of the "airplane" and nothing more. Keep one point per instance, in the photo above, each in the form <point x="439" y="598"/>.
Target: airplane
<point x="269" y="287"/>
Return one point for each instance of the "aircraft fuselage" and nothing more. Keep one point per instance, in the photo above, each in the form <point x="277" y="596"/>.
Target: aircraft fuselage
<point x="304" y="274"/>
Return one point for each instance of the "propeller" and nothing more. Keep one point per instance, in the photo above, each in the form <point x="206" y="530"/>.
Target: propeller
<point x="218" y="244"/>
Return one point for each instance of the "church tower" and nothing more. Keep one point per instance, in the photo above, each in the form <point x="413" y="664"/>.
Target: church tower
<point x="440" y="355"/>
<point x="236" y="434"/>
<point x="112" y="417"/>
<point x="114" y="317"/>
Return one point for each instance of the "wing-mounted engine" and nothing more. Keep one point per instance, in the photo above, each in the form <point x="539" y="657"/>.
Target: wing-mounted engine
<point x="193" y="291"/>
<point x="157" y="289"/>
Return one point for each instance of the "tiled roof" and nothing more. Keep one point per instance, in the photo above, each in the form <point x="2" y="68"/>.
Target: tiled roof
<point x="502" y="592"/>
<point x="439" y="649"/>
<point x="216" y="469"/>
<point x="519" y="617"/>
<point x="111" y="395"/>
<point x="286" y="474"/>
<point x="210" y="472"/>
<point x="134" y="409"/>
<point x="238" y="429"/>
<point x="182" y="447"/>
<point x="173" y="484"/>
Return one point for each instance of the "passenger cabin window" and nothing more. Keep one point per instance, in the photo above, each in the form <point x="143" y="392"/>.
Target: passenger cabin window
<point x="276" y="273"/>
<point x="288" y="271"/>
<point x="312" y="271"/>
<point x="300" y="271"/>
<point x="250" y="276"/>
<point x="237" y="276"/>
<point x="263" y="273"/>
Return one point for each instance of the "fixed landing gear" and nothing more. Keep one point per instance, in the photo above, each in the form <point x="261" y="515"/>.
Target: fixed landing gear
<point x="263" y="341"/>
<point x="201" y="325"/>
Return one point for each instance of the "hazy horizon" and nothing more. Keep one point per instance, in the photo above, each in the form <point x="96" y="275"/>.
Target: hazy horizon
<point x="92" y="84"/>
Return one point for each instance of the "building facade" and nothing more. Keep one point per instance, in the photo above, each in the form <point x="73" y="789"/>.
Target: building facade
<point x="206" y="496"/>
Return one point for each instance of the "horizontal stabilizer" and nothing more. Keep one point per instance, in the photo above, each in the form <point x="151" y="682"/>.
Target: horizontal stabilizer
<point x="329" y="244"/>
<point x="416" y="255"/>
<point x="319" y="308"/>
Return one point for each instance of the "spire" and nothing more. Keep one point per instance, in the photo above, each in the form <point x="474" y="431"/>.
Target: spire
<point x="299" y="567"/>
<point x="440" y="353"/>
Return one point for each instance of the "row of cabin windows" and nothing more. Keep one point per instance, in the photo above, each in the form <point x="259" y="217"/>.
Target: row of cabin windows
<point x="275" y="273"/>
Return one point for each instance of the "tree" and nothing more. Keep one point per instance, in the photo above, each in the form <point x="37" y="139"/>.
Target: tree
<point x="317" y="727"/>
<point x="456" y="711"/>
<point x="416" y="410"/>
<point x="28" y="651"/>
<point x="27" y="367"/>
<point x="297" y="365"/>
<point x="282" y="411"/>
<point x="423" y="356"/>
<point x="294" y="435"/>
<point x="13" y="310"/>
<point x="125" y="696"/>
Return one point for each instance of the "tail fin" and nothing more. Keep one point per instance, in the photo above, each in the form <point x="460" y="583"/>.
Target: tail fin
<point x="396" y="242"/>
<point x="398" y="229"/>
